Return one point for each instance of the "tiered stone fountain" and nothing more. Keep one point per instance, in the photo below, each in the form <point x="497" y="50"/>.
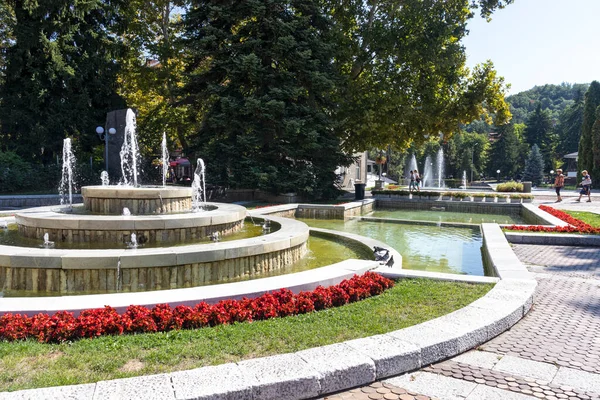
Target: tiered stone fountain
<point x="157" y="215"/>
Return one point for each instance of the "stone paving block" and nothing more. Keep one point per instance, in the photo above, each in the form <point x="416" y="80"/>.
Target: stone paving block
<point x="435" y="342"/>
<point x="391" y="356"/>
<point x="483" y="359"/>
<point x="152" y="387"/>
<point x="471" y="323"/>
<point x="74" y="392"/>
<point x="505" y="313"/>
<point x="577" y="379"/>
<point x="340" y="366"/>
<point x="221" y="382"/>
<point x="434" y="385"/>
<point x="490" y="393"/>
<point x="527" y="368"/>
<point x="285" y="376"/>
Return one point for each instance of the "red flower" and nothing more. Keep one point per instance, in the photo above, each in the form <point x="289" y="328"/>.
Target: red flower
<point x="64" y="326"/>
<point x="575" y="225"/>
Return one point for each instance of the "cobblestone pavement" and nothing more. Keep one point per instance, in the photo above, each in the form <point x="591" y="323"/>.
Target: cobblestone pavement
<point x="559" y="337"/>
<point x="379" y="390"/>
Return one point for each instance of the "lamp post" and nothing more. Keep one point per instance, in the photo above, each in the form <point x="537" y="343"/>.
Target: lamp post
<point x="103" y="136"/>
<point x="551" y="174"/>
<point x="498" y="175"/>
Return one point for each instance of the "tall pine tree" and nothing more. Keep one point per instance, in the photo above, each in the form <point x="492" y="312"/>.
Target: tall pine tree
<point x="261" y="73"/>
<point x="569" y="126"/>
<point x="505" y="152"/>
<point x="534" y="166"/>
<point x="60" y="75"/>
<point x="539" y="132"/>
<point x="586" y="149"/>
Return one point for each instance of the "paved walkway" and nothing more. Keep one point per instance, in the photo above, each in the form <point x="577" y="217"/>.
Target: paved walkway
<point x="553" y="353"/>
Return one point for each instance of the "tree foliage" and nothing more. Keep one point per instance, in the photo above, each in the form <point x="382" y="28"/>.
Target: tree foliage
<point x="506" y="152"/>
<point x="262" y="70"/>
<point x="539" y="131"/>
<point x="153" y="71"/>
<point x="7" y="24"/>
<point x="534" y="166"/>
<point x="569" y="126"/>
<point x="586" y="143"/>
<point x="553" y="98"/>
<point x="60" y="76"/>
<point x="403" y="71"/>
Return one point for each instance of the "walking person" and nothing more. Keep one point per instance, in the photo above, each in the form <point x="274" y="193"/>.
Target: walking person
<point x="412" y="181"/>
<point x="417" y="180"/>
<point x="559" y="182"/>
<point x="586" y="188"/>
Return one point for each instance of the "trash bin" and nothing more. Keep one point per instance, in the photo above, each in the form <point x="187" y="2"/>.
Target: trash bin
<point x="526" y="187"/>
<point x="359" y="191"/>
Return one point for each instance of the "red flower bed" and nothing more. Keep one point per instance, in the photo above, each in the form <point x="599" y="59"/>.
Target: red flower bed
<point x="575" y="225"/>
<point x="64" y="326"/>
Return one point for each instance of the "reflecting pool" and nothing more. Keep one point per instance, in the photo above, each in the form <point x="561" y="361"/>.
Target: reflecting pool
<point x="423" y="247"/>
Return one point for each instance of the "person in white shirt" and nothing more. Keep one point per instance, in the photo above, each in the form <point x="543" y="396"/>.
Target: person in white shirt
<point x="586" y="186"/>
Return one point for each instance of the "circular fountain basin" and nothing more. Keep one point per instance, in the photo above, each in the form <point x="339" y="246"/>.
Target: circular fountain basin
<point x="139" y="200"/>
<point x="72" y="271"/>
<point x="168" y="228"/>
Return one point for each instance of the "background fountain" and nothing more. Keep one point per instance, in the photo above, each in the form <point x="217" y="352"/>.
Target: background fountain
<point x="434" y="171"/>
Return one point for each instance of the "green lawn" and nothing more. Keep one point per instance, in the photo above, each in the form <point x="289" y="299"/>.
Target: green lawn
<point x="588" y="217"/>
<point x="28" y="364"/>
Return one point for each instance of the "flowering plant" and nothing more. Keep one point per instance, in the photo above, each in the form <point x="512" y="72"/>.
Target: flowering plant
<point x="575" y="225"/>
<point x="64" y="326"/>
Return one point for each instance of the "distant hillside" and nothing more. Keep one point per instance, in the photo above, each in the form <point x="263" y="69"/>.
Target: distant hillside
<point x="554" y="98"/>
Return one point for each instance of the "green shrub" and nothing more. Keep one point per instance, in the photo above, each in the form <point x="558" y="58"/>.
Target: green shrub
<point x="17" y="175"/>
<point x="511" y="186"/>
<point x="460" y="195"/>
<point x="479" y="194"/>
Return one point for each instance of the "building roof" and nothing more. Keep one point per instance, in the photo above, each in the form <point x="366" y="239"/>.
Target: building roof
<point x="571" y="155"/>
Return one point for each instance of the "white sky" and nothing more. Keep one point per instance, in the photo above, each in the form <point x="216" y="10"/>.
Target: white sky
<point x="534" y="42"/>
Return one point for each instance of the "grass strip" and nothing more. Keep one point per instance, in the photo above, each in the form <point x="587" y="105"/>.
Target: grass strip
<point x="29" y="364"/>
<point x="590" y="218"/>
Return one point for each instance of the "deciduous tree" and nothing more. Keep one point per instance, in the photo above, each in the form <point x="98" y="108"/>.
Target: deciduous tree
<point x="404" y="74"/>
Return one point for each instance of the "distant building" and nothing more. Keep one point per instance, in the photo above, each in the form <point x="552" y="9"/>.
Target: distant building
<point x="570" y="171"/>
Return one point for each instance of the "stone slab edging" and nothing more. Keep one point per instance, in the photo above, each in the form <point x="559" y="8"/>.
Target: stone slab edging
<point x="221" y="214"/>
<point x="570" y="239"/>
<point x="291" y="233"/>
<point x="326" y="369"/>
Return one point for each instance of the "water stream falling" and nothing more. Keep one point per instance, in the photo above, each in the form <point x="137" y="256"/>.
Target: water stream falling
<point x="165" y="159"/>
<point x="440" y="168"/>
<point x="198" y="187"/>
<point x="3" y="224"/>
<point x="119" y="275"/>
<point x="134" y="243"/>
<point x="65" y="188"/>
<point x="130" y="152"/>
<point x="464" y="180"/>
<point x="126" y="212"/>
<point x="47" y="243"/>
<point x="104" y="178"/>
<point x="428" y="172"/>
